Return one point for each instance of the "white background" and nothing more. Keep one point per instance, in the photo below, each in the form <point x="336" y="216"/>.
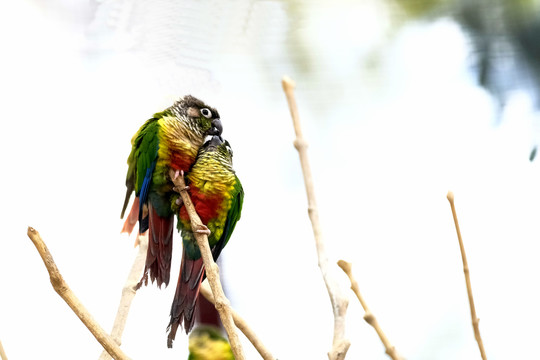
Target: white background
<point x="387" y="142"/>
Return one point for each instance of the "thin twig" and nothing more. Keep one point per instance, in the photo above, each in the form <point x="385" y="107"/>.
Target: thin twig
<point x="128" y="293"/>
<point x="368" y="316"/>
<point x="3" y="355"/>
<point x="240" y="324"/>
<point x="61" y="287"/>
<point x="475" y="320"/>
<point x="222" y="304"/>
<point x="340" y="344"/>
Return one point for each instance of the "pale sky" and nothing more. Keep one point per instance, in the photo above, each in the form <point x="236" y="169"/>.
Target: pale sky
<point x="384" y="152"/>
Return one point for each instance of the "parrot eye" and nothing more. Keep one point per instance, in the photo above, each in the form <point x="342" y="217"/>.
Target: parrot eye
<point x="206" y="113"/>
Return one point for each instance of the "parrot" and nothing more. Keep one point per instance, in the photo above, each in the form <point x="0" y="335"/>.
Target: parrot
<point x="169" y="140"/>
<point x="217" y="195"/>
<point x="206" y="343"/>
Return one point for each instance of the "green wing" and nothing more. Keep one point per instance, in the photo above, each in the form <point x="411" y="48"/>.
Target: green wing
<point x="233" y="215"/>
<point x="141" y="161"/>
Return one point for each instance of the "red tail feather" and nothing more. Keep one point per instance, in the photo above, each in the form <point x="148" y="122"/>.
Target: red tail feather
<point x="132" y="217"/>
<point x="158" y="257"/>
<point x="185" y="298"/>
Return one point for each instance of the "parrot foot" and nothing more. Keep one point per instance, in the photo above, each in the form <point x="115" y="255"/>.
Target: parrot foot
<point x="203" y="230"/>
<point x="178" y="173"/>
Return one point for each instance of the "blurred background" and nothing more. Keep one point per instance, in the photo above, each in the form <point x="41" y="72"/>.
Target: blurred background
<point x="400" y="101"/>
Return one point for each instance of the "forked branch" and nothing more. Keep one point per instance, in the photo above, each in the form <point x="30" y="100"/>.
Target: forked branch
<point x="475" y="320"/>
<point x="222" y="304"/>
<point x="240" y="324"/>
<point x="340" y="345"/>
<point x="128" y="293"/>
<point x="61" y="287"/>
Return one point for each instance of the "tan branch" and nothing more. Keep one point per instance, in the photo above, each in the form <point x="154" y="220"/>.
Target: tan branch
<point x="128" y="293"/>
<point x="222" y="304"/>
<point x="61" y="287"/>
<point x="3" y="355"/>
<point x="369" y="317"/>
<point x="240" y="324"/>
<point x="475" y="320"/>
<point x="340" y="345"/>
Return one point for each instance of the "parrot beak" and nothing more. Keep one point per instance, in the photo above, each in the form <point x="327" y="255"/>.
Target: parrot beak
<point x="217" y="128"/>
<point x="216" y="141"/>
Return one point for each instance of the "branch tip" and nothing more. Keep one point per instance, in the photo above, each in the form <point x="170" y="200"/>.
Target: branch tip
<point x="288" y="83"/>
<point x="345" y="266"/>
<point x="60" y="286"/>
<point x="337" y="299"/>
<point x="369" y="317"/>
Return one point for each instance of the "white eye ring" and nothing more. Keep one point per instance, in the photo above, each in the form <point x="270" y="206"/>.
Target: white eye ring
<point x="206" y="113"/>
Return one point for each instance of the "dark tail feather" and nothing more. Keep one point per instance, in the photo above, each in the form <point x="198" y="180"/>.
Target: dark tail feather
<point x="206" y="313"/>
<point x="158" y="257"/>
<point x="185" y="298"/>
<point x="132" y="217"/>
<point x="129" y="190"/>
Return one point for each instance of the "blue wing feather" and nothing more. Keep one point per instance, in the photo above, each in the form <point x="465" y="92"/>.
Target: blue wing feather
<point x="143" y="197"/>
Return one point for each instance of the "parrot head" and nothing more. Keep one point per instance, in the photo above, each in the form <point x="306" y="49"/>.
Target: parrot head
<point x="200" y="117"/>
<point x="220" y="147"/>
<point x="206" y="343"/>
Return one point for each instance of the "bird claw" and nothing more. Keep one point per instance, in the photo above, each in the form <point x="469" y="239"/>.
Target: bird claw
<point x="203" y="230"/>
<point x="174" y="176"/>
<point x="178" y="173"/>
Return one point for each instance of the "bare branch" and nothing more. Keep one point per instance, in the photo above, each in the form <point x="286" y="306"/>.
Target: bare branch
<point x="369" y="317"/>
<point x="222" y="304"/>
<point x="128" y="293"/>
<point x="3" y="355"/>
<point x="475" y="320"/>
<point x="60" y="286"/>
<point x="340" y="345"/>
<point x="240" y="324"/>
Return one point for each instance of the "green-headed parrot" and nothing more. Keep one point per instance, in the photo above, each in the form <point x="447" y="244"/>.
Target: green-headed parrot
<point x="206" y="343"/>
<point x="169" y="140"/>
<point x="217" y="195"/>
